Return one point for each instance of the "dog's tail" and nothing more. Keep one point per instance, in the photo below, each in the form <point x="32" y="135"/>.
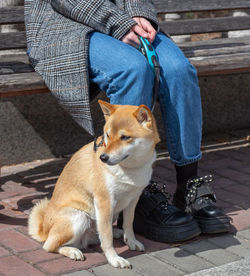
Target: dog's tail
<point x="35" y="222"/>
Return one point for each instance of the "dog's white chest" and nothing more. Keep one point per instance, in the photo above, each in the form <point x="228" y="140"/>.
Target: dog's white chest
<point x="125" y="184"/>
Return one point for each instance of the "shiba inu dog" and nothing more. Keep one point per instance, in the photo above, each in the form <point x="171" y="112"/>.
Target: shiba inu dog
<point x="96" y="185"/>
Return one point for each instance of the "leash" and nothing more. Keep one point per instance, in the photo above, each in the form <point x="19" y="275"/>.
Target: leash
<point x="148" y="51"/>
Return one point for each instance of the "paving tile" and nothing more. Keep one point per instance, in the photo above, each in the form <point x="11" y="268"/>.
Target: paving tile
<point x="11" y="170"/>
<point x="238" y="268"/>
<point x="80" y="273"/>
<point x="233" y="174"/>
<point x="9" y="221"/>
<point x="151" y="246"/>
<point x="120" y="248"/>
<point x="242" y="168"/>
<point x="164" y="174"/>
<point x="210" y="252"/>
<point x="233" y="198"/>
<point x="245" y="234"/>
<point x="240" y="219"/>
<point x="148" y="265"/>
<point x="11" y="188"/>
<point x="182" y="260"/>
<point x="239" y="189"/>
<point x="24" y="202"/>
<point x="221" y="162"/>
<point x="17" y="241"/>
<point x="232" y="244"/>
<point x="108" y="270"/>
<point x="221" y="203"/>
<point x="38" y="256"/>
<point x="13" y="266"/>
<point x="65" y="265"/>
<point x="222" y="182"/>
<point x="163" y="161"/>
<point x="237" y="155"/>
<point x="3" y="252"/>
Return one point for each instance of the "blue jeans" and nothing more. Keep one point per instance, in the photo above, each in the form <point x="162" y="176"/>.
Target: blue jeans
<point x="124" y="73"/>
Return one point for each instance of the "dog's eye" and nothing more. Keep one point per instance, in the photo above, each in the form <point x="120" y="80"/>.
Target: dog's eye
<point x="124" y="137"/>
<point x="107" y="135"/>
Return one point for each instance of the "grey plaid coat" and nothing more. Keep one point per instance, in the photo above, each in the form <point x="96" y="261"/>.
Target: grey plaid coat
<point x="57" y="38"/>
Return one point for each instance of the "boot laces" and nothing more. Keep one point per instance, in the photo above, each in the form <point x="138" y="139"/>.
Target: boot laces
<point x="154" y="188"/>
<point x="193" y="185"/>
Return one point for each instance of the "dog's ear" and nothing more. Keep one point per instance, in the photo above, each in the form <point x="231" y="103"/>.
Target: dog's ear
<point x="143" y="115"/>
<point x="107" y="108"/>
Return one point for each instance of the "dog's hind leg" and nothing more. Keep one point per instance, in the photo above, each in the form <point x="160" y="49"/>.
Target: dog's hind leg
<point x="55" y="241"/>
<point x="66" y="234"/>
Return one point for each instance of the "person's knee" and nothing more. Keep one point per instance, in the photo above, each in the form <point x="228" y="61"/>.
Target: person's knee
<point x="135" y="80"/>
<point x="138" y="68"/>
<point x="179" y="68"/>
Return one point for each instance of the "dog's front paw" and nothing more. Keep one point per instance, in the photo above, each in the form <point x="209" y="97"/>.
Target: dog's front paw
<point x="72" y="252"/>
<point x="134" y="244"/>
<point x="119" y="262"/>
<point x="76" y="254"/>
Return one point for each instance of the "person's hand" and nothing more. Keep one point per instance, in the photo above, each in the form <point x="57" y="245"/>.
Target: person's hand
<point x="147" y="27"/>
<point x="131" y="37"/>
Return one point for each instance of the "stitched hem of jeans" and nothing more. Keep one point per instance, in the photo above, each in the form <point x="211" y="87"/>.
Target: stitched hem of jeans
<point x="183" y="163"/>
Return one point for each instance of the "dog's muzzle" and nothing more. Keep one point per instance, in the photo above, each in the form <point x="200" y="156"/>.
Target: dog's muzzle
<point x="106" y="159"/>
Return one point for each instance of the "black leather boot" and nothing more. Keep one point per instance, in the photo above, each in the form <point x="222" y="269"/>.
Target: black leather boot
<point x="195" y="196"/>
<point x="157" y="220"/>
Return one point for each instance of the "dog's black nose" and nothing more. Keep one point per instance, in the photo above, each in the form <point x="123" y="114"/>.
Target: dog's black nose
<point x="104" y="157"/>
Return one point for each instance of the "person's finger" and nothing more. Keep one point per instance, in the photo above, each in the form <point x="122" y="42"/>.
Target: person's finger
<point x="147" y="26"/>
<point x="152" y="36"/>
<point x="131" y="39"/>
<point x="139" y="30"/>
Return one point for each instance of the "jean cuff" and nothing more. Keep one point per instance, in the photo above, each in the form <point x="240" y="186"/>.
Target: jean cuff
<point x="187" y="161"/>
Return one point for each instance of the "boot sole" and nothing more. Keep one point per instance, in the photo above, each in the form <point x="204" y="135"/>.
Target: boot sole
<point x="213" y="225"/>
<point x="167" y="233"/>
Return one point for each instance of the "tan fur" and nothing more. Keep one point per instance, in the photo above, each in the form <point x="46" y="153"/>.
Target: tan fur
<point x="36" y="220"/>
<point x="90" y="192"/>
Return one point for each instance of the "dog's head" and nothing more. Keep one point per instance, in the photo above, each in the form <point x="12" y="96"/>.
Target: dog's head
<point x="130" y="135"/>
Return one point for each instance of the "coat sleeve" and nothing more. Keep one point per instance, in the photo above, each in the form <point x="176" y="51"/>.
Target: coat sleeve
<point x="144" y="8"/>
<point x="101" y="15"/>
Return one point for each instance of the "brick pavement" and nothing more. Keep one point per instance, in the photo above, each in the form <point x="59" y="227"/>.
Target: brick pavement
<point x="22" y="185"/>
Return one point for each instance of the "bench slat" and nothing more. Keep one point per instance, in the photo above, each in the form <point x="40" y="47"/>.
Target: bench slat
<point x="190" y="52"/>
<point x="14" y="40"/>
<point x="17" y="40"/>
<point x="13" y="64"/>
<point x="32" y="83"/>
<point x="207" y="25"/>
<point x="12" y="15"/>
<point x="164" y="6"/>
<point x="216" y="46"/>
<point x="25" y="83"/>
<point x="222" y="64"/>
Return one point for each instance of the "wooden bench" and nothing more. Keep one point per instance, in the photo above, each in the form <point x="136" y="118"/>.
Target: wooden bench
<point x="211" y="57"/>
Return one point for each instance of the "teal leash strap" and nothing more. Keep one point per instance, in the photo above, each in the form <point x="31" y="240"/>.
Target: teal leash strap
<point x="148" y="51"/>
